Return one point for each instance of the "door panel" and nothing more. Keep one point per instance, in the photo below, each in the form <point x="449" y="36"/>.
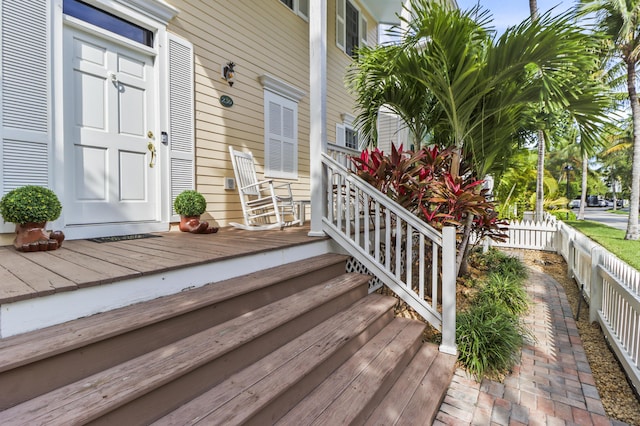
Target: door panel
<point x="109" y="98"/>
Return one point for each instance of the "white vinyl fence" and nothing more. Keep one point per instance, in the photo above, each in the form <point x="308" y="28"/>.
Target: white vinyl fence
<point x="610" y="286"/>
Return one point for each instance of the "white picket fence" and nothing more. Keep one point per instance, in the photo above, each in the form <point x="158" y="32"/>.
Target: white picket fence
<point x="610" y="286"/>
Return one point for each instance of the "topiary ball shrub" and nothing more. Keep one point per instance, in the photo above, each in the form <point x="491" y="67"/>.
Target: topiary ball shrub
<point x="190" y="203"/>
<point x="30" y="203"/>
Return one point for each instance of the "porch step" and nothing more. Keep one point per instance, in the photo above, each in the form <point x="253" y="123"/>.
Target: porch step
<point x="34" y="363"/>
<point x="264" y="391"/>
<point x="298" y="344"/>
<point x="139" y="390"/>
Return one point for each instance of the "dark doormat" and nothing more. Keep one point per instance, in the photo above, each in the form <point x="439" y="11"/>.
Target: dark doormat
<point x="122" y="238"/>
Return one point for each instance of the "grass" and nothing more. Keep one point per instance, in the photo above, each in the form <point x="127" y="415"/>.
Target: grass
<point x="618" y="211"/>
<point x="610" y="238"/>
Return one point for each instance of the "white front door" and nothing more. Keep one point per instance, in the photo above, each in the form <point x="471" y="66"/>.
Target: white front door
<point x="109" y="109"/>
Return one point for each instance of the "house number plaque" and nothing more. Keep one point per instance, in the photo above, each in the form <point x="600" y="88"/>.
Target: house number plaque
<point x="226" y="101"/>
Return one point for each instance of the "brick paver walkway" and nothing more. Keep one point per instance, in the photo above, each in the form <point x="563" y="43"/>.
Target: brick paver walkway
<point x="551" y="385"/>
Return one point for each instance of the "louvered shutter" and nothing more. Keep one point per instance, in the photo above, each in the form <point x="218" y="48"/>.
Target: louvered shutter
<point x="281" y="136"/>
<point x="364" y="29"/>
<point x="340" y="141"/>
<point x="341" y="24"/>
<point x="25" y="131"/>
<point x="181" y="117"/>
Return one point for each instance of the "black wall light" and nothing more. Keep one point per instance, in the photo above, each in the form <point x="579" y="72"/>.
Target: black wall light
<point x="229" y="73"/>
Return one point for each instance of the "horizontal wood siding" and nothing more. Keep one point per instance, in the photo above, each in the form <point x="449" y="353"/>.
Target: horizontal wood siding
<point x="262" y="37"/>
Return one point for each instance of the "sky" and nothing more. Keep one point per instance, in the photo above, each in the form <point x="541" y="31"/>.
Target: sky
<point x="507" y="13"/>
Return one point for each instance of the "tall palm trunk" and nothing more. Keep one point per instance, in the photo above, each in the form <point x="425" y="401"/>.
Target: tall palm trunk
<point x="533" y="8"/>
<point x="583" y="193"/>
<point x="632" y="225"/>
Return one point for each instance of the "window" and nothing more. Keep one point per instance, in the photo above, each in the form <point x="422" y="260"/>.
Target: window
<point x="300" y="7"/>
<point x="351" y="27"/>
<point x="281" y="136"/>
<point x="346" y="135"/>
<point x="109" y="22"/>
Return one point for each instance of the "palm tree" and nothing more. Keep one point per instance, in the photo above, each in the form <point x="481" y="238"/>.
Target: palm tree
<point x="539" y="210"/>
<point x="475" y="91"/>
<point x="620" y="21"/>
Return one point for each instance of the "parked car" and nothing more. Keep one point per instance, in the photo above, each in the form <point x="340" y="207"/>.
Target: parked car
<point x="574" y="204"/>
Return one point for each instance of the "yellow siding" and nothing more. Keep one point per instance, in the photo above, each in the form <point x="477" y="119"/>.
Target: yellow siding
<point x="261" y="37"/>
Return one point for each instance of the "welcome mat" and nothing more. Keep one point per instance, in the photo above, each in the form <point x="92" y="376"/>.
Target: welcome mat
<point x="122" y="238"/>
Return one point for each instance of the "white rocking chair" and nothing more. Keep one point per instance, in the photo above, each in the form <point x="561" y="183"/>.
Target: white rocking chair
<point x="265" y="204"/>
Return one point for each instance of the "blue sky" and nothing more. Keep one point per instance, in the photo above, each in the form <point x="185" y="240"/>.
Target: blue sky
<point x="507" y="13"/>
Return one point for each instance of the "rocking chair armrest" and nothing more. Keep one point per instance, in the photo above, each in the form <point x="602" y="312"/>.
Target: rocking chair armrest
<point x="284" y="185"/>
<point x="257" y="184"/>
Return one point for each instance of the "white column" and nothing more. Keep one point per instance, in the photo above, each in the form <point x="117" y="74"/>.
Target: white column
<point x="317" y="109"/>
<point x="448" y="344"/>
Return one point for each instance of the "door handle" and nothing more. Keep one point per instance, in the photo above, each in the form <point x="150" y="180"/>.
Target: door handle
<point x="152" y="148"/>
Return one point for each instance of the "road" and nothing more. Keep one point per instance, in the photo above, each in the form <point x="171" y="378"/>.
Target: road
<point x="600" y="214"/>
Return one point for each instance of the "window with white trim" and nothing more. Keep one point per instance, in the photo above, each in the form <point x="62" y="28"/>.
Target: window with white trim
<point x="299" y="7"/>
<point x="280" y="136"/>
<point x="346" y="134"/>
<point x="351" y="27"/>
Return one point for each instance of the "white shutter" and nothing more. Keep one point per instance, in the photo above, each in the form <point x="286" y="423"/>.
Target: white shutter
<point x="25" y="101"/>
<point x="340" y="24"/>
<point x="281" y="136"/>
<point x="340" y="141"/>
<point x="181" y="117"/>
<point x="364" y="29"/>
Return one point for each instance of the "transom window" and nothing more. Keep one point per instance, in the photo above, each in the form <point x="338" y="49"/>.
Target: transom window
<point x="109" y="22"/>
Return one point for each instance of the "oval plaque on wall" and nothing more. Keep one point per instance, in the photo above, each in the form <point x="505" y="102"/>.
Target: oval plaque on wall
<point x="226" y="101"/>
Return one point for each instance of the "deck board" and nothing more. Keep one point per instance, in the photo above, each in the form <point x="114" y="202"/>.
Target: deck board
<point x="82" y="263"/>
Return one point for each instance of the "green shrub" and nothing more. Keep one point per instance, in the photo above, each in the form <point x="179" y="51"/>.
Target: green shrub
<point x="489" y="340"/>
<point x="562" y="214"/>
<point x="506" y="291"/>
<point x="190" y="203"/>
<point x="509" y="265"/>
<point x="30" y="204"/>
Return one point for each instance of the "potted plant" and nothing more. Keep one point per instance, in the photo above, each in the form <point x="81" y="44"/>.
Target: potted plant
<point x="30" y="208"/>
<point x="190" y="205"/>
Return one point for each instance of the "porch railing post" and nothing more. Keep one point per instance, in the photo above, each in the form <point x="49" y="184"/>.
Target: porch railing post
<point x="318" y="110"/>
<point x="448" y="290"/>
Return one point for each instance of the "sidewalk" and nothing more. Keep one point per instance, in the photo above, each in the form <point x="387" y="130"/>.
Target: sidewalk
<point x="551" y="385"/>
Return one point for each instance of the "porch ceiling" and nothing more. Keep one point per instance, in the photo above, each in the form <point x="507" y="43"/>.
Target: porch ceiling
<point x="385" y="10"/>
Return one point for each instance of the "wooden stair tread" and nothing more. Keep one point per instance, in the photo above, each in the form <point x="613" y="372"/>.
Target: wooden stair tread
<point x="249" y="391"/>
<point x="357" y="386"/>
<point x="418" y="392"/>
<point x="87" y="399"/>
<point x="29" y="347"/>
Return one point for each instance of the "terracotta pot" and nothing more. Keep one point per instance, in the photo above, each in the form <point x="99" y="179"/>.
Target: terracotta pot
<point x="32" y="236"/>
<point x="192" y="224"/>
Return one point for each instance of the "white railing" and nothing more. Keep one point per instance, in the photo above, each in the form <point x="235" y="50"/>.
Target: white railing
<point x="531" y="235"/>
<point x="411" y="258"/>
<point x="612" y="289"/>
<point x="342" y="154"/>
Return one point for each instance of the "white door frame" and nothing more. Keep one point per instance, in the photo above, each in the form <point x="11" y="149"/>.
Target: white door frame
<point x="150" y="14"/>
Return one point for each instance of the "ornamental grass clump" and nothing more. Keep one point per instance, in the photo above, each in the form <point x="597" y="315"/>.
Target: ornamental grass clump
<point x="30" y="204"/>
<point x="490" y="333"/>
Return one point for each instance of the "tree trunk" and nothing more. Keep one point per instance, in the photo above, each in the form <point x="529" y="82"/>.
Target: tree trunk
<point x="533" y="9"/>
<point x="632" y="226"/>
<point x="583" y="185"/>
<point x="540" y="178"/>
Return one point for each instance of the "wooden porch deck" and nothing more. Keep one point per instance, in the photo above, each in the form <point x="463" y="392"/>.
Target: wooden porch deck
<point x="82" y="263"/>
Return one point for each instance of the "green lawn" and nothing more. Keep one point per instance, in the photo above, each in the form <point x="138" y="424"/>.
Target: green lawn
<point x="624" y="212"/>
<point x="610" y="238"/>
